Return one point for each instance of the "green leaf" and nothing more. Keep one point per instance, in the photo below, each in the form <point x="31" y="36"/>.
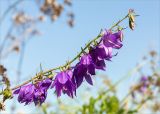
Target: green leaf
<point x="112" y="105"/>
<point x="91" y="106"/>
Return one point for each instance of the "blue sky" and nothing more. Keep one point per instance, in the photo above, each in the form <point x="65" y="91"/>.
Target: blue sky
<point x="60" y="43"/>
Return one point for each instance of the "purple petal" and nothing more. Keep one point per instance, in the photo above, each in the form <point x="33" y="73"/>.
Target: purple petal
<point x="59" y="89"/>
<point x="16" y="91"/>
<point x="79" y="80"/>
<point x="100" y="64"/>
<point x="62" y="77"/>
<point x="89" y="79"/>
<point x="91" y="69"/>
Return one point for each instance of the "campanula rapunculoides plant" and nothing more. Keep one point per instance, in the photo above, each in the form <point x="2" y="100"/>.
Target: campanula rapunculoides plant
<point x="68" y="80"/>
<point x="70" y="76"/>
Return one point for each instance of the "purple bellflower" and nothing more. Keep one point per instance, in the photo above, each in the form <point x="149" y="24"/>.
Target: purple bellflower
<point x="99" y="54"/>
<point x="63" y="83"/>
<point x="33" y="93"/>
<point x="26" y="94"/>
<point x="84" y="69"/>
<point x="113" y="40"/>
<point x="40" y="92"/>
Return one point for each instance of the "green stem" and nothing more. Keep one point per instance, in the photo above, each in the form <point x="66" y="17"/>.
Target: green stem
<point x="119" y="22"/>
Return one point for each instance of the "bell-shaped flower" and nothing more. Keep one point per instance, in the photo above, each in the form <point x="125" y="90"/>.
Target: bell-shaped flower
<point x="99" y="54"/>
<point x="39" y="96"/>
<point x="25" y="93"/>
<point x="63" y="83"/>
<point x="112" y="39"/>
<point x="40" y="92"/>
<point x="36" y="93"/>
<point x="84" y="69"/>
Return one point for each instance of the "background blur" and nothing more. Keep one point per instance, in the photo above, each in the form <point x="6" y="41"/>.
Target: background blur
<point x="58" y="42"/>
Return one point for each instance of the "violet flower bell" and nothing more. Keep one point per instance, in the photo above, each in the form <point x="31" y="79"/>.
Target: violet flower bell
<point x="84" y="69"/>
<point x="63" y="83"/>
<point x="112" y="39"/>
<point x="36" y="93"/>
<point x="40" y="92"/>
<point x="25" y="94"/>
<point x="99" y="54"/>
<point x="39" y="96"/>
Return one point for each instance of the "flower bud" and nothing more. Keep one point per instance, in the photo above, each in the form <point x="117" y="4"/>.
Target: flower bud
<point x="131" y="17"/>
<point x="7" y="94"/>
<point x="131" y="24"/>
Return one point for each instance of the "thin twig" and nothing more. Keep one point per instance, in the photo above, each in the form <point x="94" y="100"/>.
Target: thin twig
<point x="9" y="9"/>
<point x="5" y="40"/>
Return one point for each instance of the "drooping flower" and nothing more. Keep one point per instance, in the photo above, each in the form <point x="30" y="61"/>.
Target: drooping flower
<point x="63" y="83"/>
<point x="39" y="96"/>
<point x="40" y="92"/>
<point x="36" y="93"/>
<point x="112" y="39"/>
<point x="26" y="93"/>
<point x="99" y="54"/>
<point x="84" y="69"/>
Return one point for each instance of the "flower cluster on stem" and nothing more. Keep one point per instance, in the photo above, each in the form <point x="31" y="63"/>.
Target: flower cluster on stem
<point x="70" y="78"/>
<point x="92" y="57"/>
